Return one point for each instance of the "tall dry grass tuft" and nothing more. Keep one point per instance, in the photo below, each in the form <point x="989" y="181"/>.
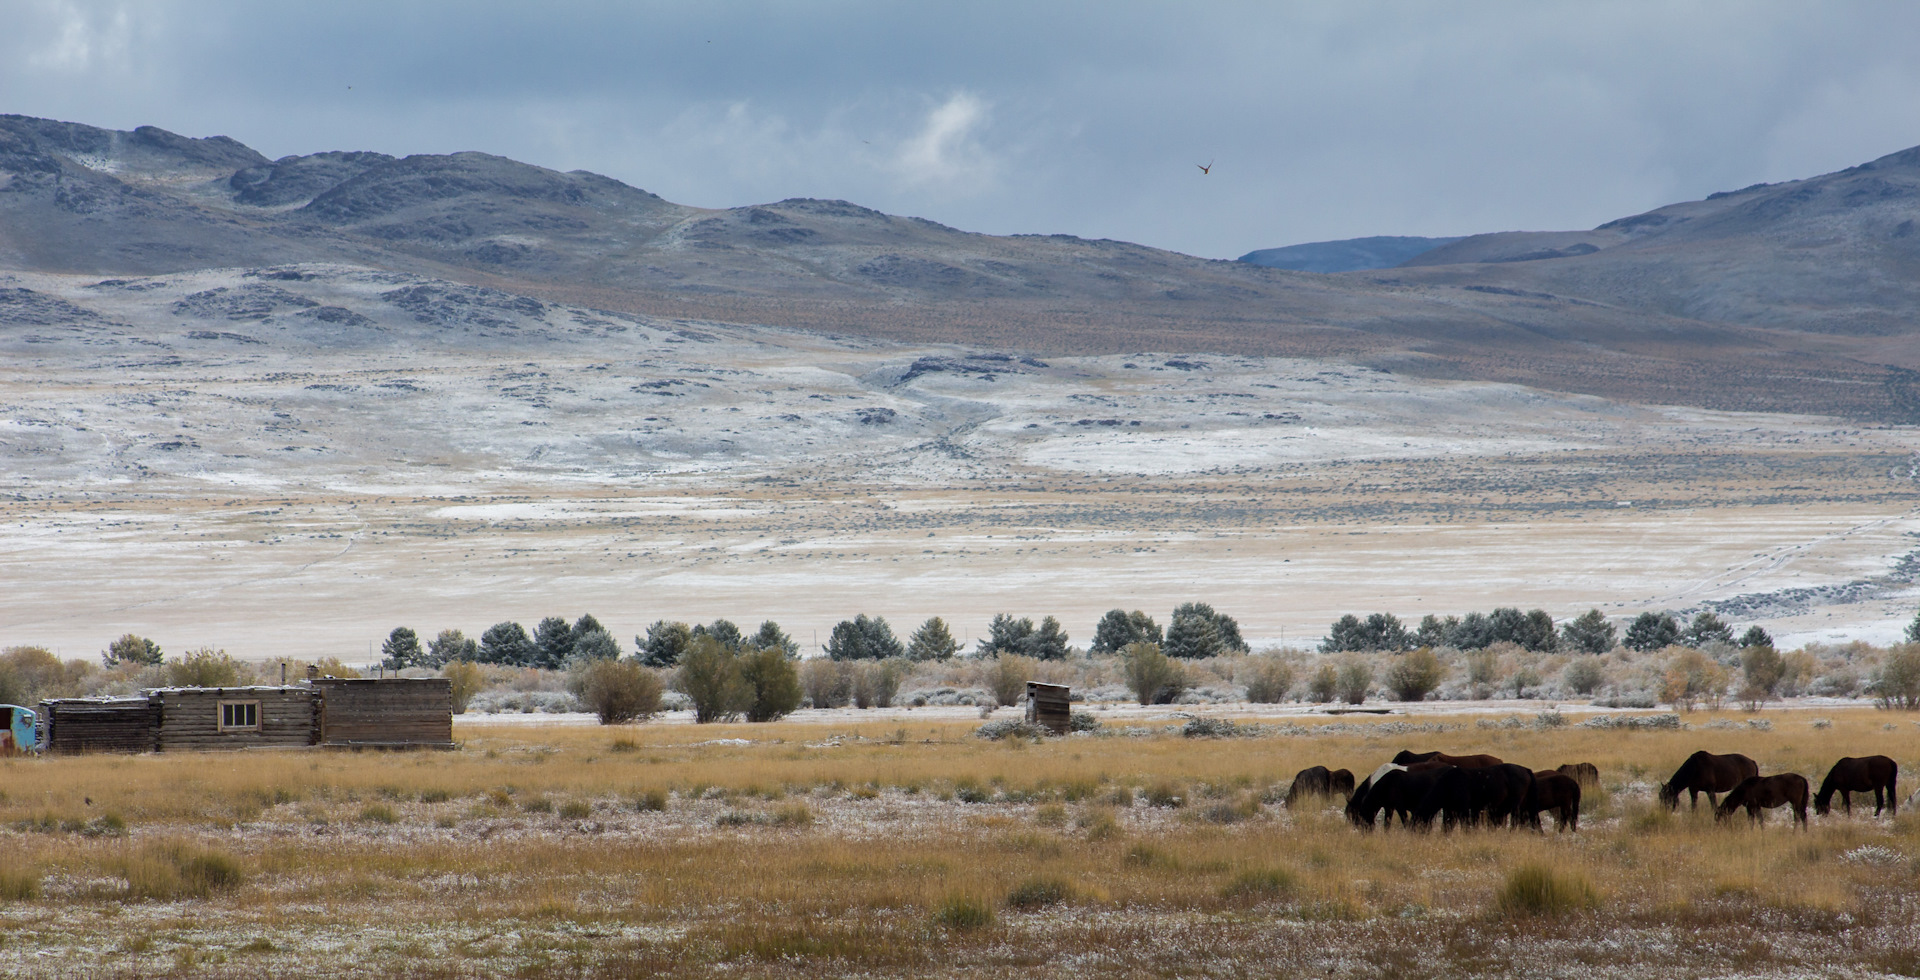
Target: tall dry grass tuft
<point x="21" y="884"/>
<point x="1537" y="890"/>
<point x="168" y="870"/>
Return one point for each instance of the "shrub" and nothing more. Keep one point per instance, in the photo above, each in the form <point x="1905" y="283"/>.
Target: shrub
<point x="1083" y="721"/>
<point x="828" y="683"/>
<point x="1898" y="682"/>
<point x="1324" y="682"/>
<point x="793" y="815"/>
<point x="1268" y="679"/>
<point x="651" y="801"/>
<point x="576" y="810"/>
<point x="1152" y="676"/>
<point x="467" y="680"/>
<point x="1035" y="893"/>
<point x="1584" y="675"/>
<point x="710" y="675"/>
<point x="28" y="674"/>
<point x="207" y="667"/>
<point x="994" y="731"/>
<point x="963" y="913"/>
<point x="1534" y="889"/>
<point x="775" y="683"/>
<point x="1006" y="678"/>
<point x="876" y="684"/>
<point x="378" y="813"/>
<point x="1690" y="677"/>
<point x="617" y="690"/>
<point x="1414" y="675"/>
<point x="1210" y="728"/>
<point x="1356" y="680"/>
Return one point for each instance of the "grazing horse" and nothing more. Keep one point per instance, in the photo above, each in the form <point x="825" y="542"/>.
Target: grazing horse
<point x="1756" y="792"/>
<point x="1464" y="796"/>
<point x="1397" y="792"/>
<point x="1849" y="776"/>
<point x="1408" y="757"/>
<point x="1554" y="789"/>
<point x="1704" y="772"/>
<point x="1584" y="773"/>
<point x="1318" y="781"/>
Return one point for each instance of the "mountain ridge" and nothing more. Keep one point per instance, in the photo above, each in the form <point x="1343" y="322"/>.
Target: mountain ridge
<point x="75" y="198"/>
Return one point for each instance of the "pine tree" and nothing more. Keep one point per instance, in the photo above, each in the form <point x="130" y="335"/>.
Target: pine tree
<point x="401" y="650"/>
<point x="932" y="641"/>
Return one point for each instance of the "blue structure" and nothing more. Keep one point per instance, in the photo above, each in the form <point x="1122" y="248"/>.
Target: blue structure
<point x="19" y="730"/>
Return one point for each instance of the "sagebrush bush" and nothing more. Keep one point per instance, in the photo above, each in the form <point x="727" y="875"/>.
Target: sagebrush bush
<point x="1153" y="677"/>
<point x="467" y="680"/>
<point x="1007" y="676"/>
<point x="1413" y="676"/>
<point x="1535" y="889"/>
<point x="618" y="690"/>
<point x="1268" y="679"/>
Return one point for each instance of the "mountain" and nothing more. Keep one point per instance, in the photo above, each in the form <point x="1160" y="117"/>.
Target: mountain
<point x="1346" y="255"/>
<point x="1793" y="297"/>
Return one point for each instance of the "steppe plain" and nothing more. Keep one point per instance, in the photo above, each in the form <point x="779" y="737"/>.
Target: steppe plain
<point x="303" y="457"/>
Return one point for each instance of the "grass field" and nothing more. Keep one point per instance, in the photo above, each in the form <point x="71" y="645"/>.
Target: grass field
<point x="915" y="850"/>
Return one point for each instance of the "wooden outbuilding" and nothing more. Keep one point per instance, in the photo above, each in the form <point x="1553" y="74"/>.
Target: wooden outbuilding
<point x="100" y="724"/>
<point x="397" y="712"/>
<point x="356" y="712"/>
<point x="196" y="718"/>
<point x="1050" y="705"/>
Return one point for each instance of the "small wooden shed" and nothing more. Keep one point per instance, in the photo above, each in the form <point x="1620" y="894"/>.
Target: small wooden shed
<point x="395" y="712"/>
<point x="195" y="718"/>
<point x="100" y="724"/>
<point x="1050" y="705"/>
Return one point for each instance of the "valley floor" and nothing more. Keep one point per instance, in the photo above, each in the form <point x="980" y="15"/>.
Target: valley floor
<point x="916" y="849"/>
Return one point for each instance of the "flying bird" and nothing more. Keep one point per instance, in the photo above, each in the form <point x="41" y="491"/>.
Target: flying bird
<point x="1206" y="169"/>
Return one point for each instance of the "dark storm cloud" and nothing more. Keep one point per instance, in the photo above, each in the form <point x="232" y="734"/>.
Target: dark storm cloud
<point x="1323" y="120"/>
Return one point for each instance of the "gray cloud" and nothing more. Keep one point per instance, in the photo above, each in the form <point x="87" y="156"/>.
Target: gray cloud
<point x="1323" y="120"/>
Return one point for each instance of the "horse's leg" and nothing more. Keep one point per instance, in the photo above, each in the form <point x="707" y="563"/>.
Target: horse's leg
<point x="1846" y="800"/>
<point x="1877" y="805"/>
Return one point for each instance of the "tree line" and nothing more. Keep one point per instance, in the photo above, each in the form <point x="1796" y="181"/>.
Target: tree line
<point x="1534" y="630"/>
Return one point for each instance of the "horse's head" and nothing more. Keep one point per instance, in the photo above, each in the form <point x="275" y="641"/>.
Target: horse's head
<point x="1823" y="804"/>
<point x="1670" y="795"/>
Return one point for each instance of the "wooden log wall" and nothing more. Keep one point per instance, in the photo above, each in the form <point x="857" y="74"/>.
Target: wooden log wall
<point x="115" y="725"/>
<point x="393" y="712"/>
<point x="190" y="718"/>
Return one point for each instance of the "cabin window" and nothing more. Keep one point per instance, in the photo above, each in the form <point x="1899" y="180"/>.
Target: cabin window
<point x="239" y="716"/>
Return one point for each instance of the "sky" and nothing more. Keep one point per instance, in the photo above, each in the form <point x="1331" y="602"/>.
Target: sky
<point x="1320" y="120"/>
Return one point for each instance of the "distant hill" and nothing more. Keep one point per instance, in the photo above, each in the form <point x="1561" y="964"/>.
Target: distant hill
<point x="1346" y="255"/>
<point x="1801" y="296"/>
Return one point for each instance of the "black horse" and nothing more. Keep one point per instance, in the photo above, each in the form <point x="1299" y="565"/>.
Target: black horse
<point x="1760" y="792"/>
<point x="1849" y="776"/>
<point x="1468" y="796"/>
<point x="1408" y="757"/>
<point x="1319" y="781"/>
<point x="1704" y="772"/>
<point x="1396" y="791"/>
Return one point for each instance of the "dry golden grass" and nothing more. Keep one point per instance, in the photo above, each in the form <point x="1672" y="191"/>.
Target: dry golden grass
<point x="658" y="850"/>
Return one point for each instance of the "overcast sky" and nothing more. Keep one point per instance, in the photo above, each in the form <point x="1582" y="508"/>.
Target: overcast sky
<point x="1325" y="120"/>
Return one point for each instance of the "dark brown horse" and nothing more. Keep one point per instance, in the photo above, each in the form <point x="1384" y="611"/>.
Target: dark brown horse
<point x="1319" y="781"/>
<point x="1396" y="791"/>
<point x="1704" y="772"/>
<point x="1408" y="757"/>
<point x="1584" y="773"/>
<point x="1849" y="776"/>
<point x="1762" y="792"/>
<point x="1554" y="790"/>
<point x="1490" y="794"/>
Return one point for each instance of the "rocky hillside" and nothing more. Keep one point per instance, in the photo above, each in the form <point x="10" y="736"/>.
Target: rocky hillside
<point x="1694" y="304"/>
